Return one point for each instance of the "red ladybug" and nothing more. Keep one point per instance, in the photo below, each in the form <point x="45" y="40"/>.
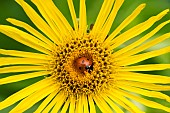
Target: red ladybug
<point x="84" y="64"/>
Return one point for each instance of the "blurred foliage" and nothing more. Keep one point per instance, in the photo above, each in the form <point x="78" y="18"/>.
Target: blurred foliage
<point x="10" y="9"/>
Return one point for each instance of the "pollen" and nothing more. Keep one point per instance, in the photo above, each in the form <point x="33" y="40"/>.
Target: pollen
<point x="82" y="66"/>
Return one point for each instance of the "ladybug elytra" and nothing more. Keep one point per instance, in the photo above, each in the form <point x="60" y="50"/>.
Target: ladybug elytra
<point x="84" y="64"/>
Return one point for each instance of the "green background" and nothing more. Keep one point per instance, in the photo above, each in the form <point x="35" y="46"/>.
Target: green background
<point x="10" y="9"/>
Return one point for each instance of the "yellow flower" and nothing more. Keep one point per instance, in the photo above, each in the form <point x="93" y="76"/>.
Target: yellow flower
<point x="82" y="68"/>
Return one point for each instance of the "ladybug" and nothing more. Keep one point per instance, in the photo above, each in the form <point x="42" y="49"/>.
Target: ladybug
<point x="84" y="64"/>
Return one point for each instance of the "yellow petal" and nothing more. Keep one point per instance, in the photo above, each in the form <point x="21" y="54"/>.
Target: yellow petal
<point x="82" y="17"/>
<point x="106" y="27"/>
<point x="33" y="99"/>
<point x="146" y="45"/>
<point x="72" y="104"/>
<point x="140" y="57"/>
<point x="129" y="19"/>
<point x="56" y="99"/>
<point x="46" y="101"/>
<point x="24" y="35"/>
<point x="146" y="102"/>
<point x="38" y="21"/>
<point x="147" y="78"/>
<point x="125" y="51"/>
<point x="150" y="43"/>
<point x="13" y="60"/>
<point x="102" y="16"/>
<point x="148" y="67"/>
<point x="48" y="16"/>
<point x="85" y="104"/>
<point x="101" y="103"/>
<point x="12" y="69"/>
<point x="65" y="107"/>
<point x="148" y="86"/>
<point x="30" y="30"/>
<point x="115" y="95"/>
<point x="58" y="17"/>
<point x="25" y="92"/>
<point x="24" y="38"/>
<point x="147" y="93"/>
<point x="79" y="105"/>
<point x="55" y="19"/>
<point x="113" y="105"/>
<point x="20" y="77"/>
<point x="24" y="54"/>
<point x="73" y="14"/>
<point x="121" y="103"/>
<point x="59" y="104"/>
<point x="91" y="104"/>
<point x="136" y="30"/>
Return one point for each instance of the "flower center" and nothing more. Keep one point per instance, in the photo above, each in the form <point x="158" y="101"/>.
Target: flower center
<point x="82" y="66"/>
